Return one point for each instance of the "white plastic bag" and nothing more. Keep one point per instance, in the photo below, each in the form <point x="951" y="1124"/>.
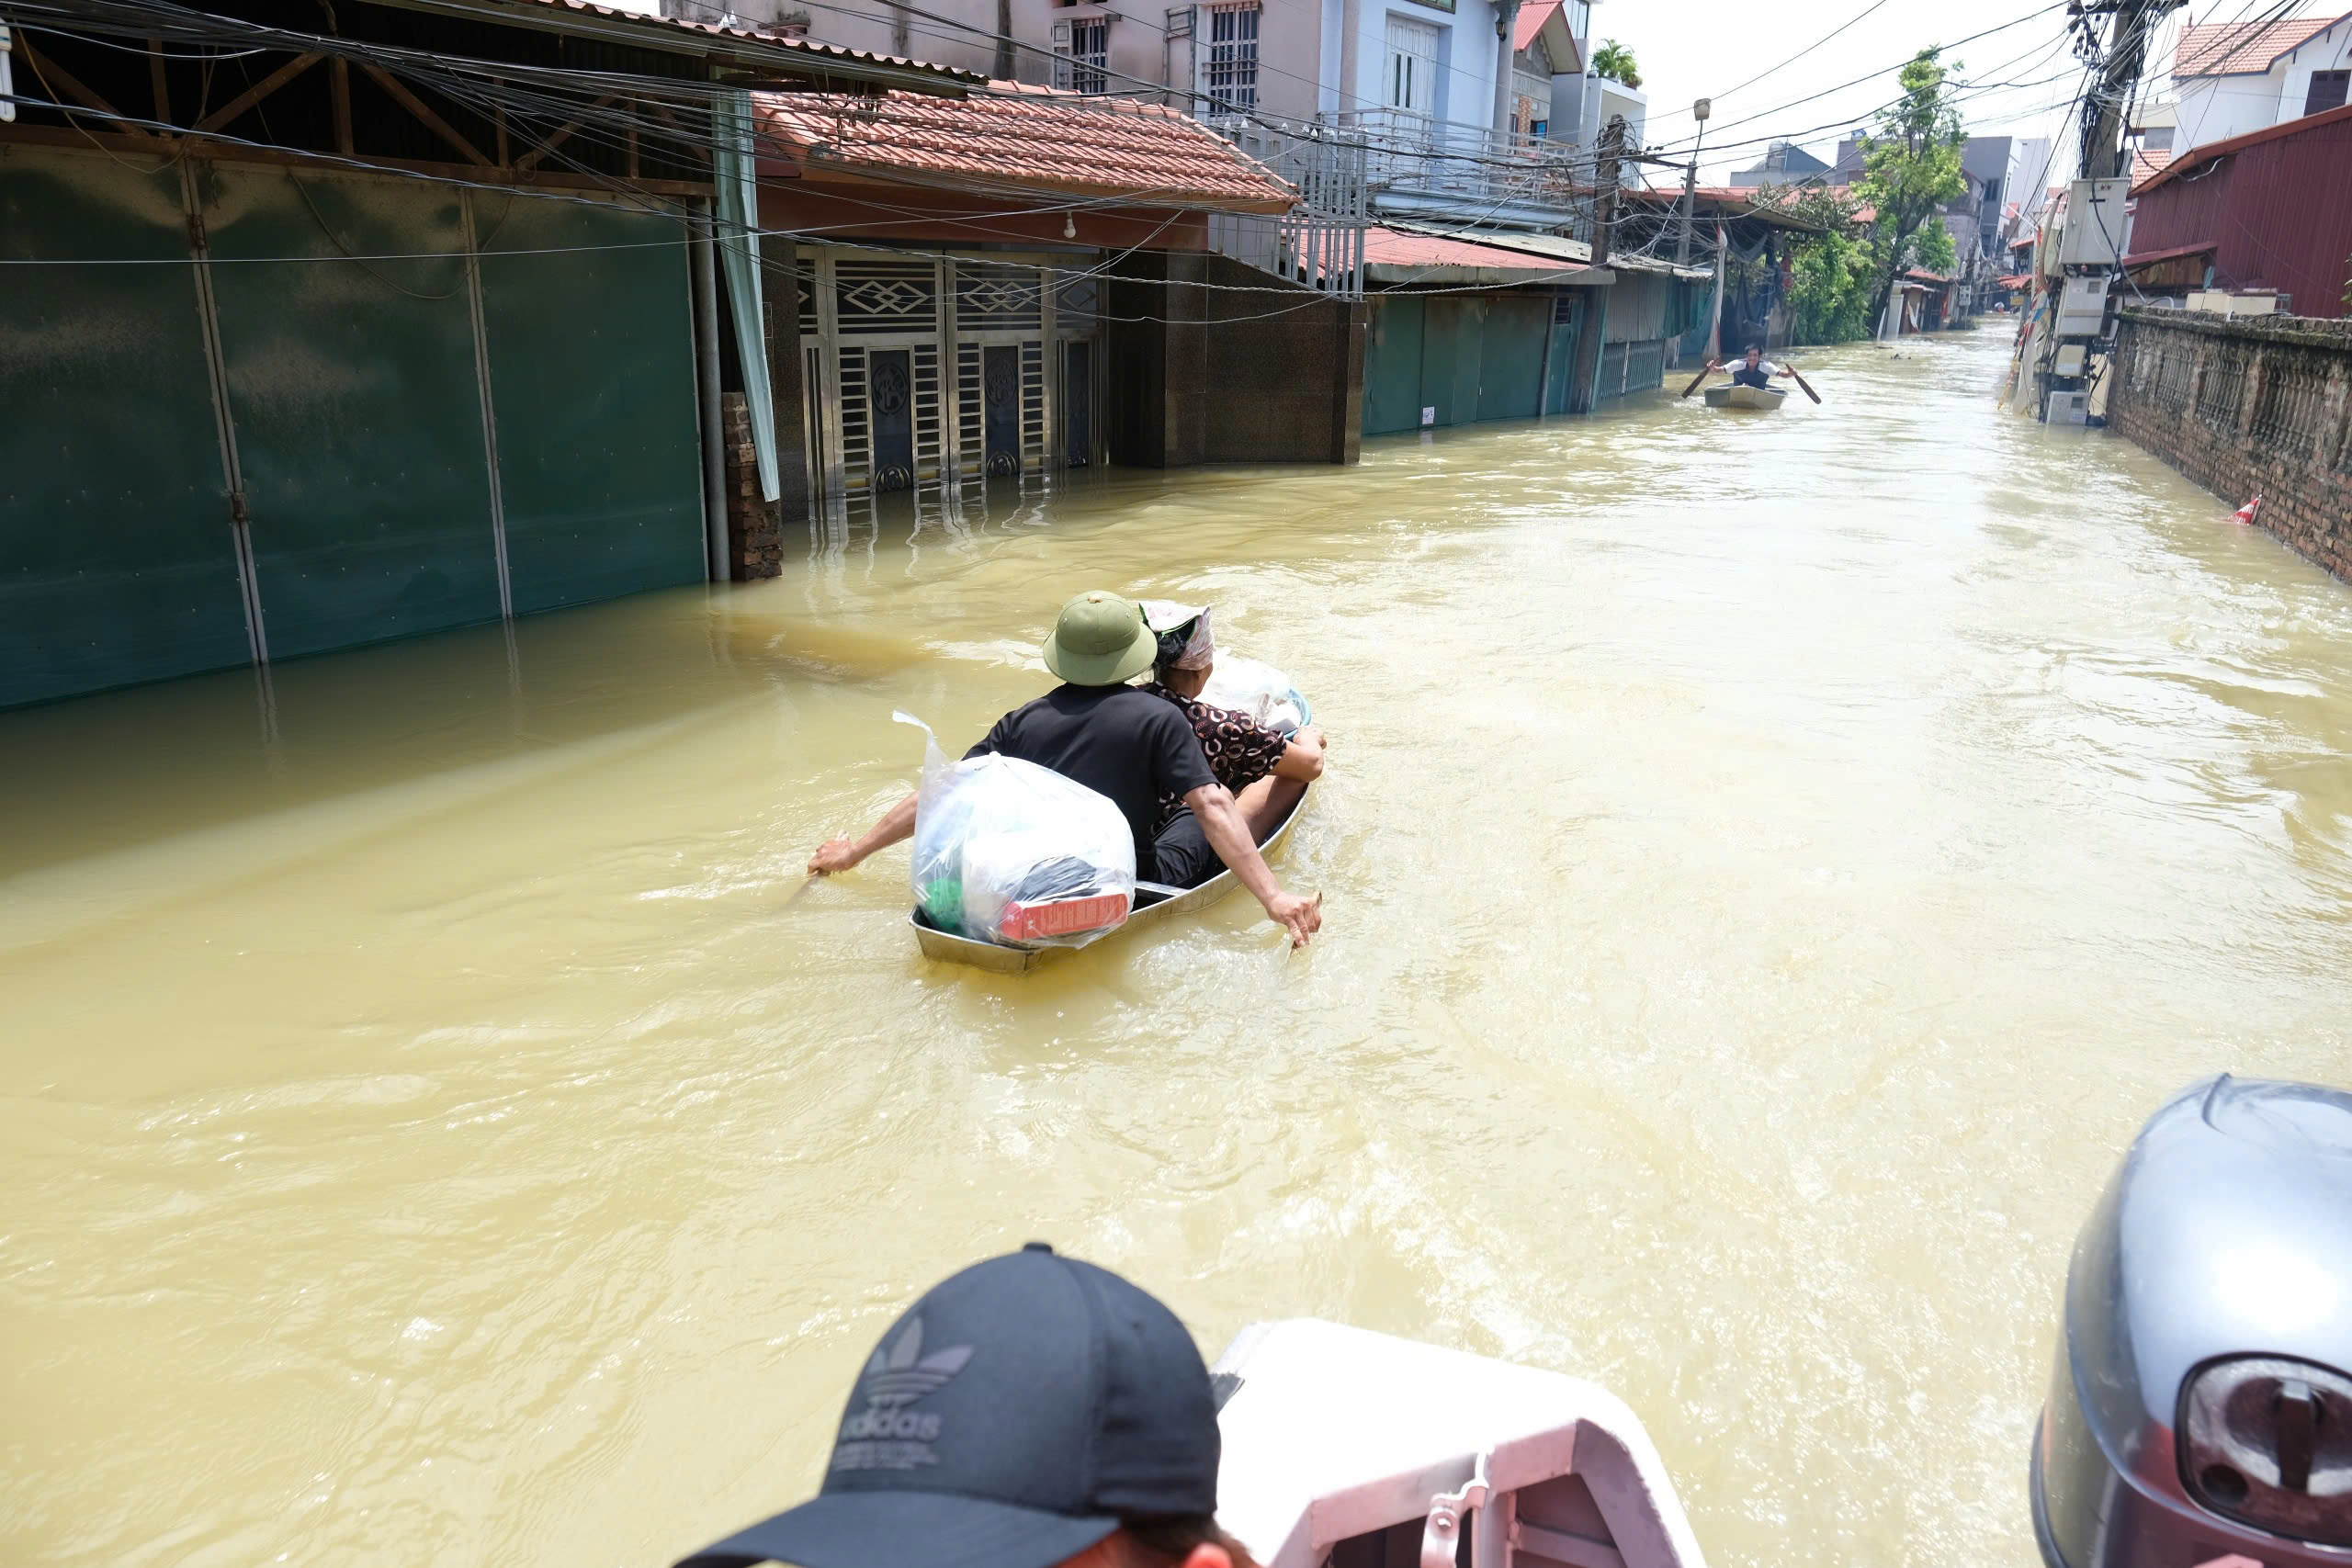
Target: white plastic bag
<point x="1258" y="689"/>
<point x="1010" y="852"/>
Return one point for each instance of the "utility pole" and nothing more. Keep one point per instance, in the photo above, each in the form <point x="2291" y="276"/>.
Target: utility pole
<point x="1699" y="111"/>
<point x="1004" y="67"/>
<point x="2073" y="360"/>
<point x="2126" y="51"/>
<point x="1604" y="205"/>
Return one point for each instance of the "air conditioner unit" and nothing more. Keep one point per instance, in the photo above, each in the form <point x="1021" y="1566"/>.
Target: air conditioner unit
<point x="2097" y="226"/>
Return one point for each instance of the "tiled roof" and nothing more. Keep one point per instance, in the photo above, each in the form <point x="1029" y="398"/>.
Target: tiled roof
<point x="2145" y="162"/>
<point x="2239" y="49"/>
<point x="1024" y="138"/>
<point x="1530" y="22"/>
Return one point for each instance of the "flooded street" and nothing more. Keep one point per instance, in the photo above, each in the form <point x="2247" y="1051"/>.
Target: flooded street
<point x="1771" y="866"/>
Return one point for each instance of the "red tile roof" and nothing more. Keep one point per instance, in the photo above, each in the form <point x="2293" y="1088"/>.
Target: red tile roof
<point x="1030" y="139"/>
<point x="2145" y="162"/>
<point x="2198" y="157"/>
<point x="1530" y="22"/>
<point x="2242" y="49"/>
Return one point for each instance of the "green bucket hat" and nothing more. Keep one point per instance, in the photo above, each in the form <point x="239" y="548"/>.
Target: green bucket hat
<point x="1100" y="640"/>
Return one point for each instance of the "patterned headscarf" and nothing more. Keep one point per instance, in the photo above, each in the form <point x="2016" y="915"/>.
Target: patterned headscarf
<point x="1185" y="642"/>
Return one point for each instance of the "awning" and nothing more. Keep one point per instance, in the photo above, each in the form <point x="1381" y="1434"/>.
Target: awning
<point x="1392" y="258"/>
<point x="2017" y="280"/>
<point x="2149" y="258"/>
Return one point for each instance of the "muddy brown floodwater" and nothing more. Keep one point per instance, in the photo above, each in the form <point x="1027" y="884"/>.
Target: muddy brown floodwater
<point x="1772" y="865"/>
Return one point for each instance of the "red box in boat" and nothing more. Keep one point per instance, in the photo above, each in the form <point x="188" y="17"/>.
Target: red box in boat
<point x="1062" y="917"/>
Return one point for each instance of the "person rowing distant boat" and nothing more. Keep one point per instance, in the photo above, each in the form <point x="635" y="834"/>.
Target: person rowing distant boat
<point x="1754" y="370"/>
<point x="1124" y="744"/>
<point x="1265" y="769"/>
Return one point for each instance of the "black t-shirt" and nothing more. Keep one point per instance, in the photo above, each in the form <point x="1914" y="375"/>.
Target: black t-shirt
<point x="1742" y="376"/>
<point x="1119" y="741"/>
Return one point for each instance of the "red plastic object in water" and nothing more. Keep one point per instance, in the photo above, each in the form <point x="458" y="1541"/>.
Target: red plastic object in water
<point x="2245" y="513"/>
<point x="1062" y="917"/>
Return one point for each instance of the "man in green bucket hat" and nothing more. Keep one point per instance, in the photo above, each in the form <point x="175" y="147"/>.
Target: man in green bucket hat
<point x="1124" y="744"/>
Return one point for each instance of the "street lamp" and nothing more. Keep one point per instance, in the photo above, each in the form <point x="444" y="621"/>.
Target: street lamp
<point x="1699" y="111"/>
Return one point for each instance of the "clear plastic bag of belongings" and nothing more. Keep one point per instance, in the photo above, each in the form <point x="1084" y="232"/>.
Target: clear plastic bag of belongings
<point x="1260" y="690"/>
<point x="1008" y="852"/>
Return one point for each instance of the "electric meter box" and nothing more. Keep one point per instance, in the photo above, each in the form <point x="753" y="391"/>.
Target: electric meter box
<point x="2097" y="229"/>
<point x="2082" y="308"/>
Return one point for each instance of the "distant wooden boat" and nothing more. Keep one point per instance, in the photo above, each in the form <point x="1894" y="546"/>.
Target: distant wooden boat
<point x="1738" y="396"/>
<point x="1153" y="904"/>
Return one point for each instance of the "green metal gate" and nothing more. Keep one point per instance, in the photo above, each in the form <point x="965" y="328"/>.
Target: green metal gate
<point x="322" y="410"/>
<point x="116" y="562"/>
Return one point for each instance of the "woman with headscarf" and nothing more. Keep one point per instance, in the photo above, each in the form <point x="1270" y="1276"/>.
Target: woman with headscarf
<point x="1265" y="770"/>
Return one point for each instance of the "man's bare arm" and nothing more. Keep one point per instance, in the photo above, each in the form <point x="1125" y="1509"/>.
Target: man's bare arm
<point x="1228" y="835"/>
<point x="839" y="854"/>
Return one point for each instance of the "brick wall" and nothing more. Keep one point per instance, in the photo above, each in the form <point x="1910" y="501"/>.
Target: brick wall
<point x="755" y="535"/>
<point x="2247" y="406"/>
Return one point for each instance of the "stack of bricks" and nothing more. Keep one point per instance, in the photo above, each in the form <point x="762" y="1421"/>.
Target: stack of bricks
<point x="2247" y="406"/>
<point x="754" y="533"/>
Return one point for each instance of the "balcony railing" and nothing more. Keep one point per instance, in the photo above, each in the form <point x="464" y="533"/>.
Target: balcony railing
<point x="1426" y="159"/>
<point x="1319" y="244"/>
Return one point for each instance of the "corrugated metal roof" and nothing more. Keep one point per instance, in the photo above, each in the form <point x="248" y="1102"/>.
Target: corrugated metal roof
<point x="1394" y="257"/>
<point x="2242" y="49"/>
<point x="1556" y="247"/>
<point x="2149" y="258"/>
<point x="1027" y="137"/>
<point x="797" y="58"/>
<point x="2275" y="205"/>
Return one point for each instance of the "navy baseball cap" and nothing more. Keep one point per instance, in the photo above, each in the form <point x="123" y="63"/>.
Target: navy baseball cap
<point x="1011" y="1418"/>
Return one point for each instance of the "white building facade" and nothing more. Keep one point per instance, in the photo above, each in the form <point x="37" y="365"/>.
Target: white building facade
<point x="2228" y="81"/>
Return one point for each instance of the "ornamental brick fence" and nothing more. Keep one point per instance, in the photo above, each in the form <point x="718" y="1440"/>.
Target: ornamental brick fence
<point x="2247" y="405"/>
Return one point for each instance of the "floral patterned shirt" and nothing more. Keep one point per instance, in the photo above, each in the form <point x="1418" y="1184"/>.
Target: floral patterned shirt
<point x="1241" y="750"/>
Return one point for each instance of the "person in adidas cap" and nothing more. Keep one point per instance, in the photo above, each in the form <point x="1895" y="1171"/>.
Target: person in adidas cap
<point x="1029" y="1412"/>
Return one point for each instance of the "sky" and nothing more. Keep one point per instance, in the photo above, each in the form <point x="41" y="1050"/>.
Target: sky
<point x="1689" y="49"/>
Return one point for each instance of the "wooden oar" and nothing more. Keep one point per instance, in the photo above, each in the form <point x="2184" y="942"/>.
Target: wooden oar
<point x="1703" y="376"/>
<point x="1801" y="381"/>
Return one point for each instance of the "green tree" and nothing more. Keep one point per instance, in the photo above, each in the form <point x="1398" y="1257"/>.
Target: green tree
<point x="1910" y="169"/>
<point x="1615" y="61"/>
<point x="1832" y="270"/>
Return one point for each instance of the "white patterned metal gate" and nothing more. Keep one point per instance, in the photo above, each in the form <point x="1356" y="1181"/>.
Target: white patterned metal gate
<point x="926" y="369"/>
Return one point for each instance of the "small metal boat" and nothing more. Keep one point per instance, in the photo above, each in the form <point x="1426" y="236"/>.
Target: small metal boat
<point x="1737" y="397"/>
<point x="1153" y="904"/>
<point x="1352" y="1449"/>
